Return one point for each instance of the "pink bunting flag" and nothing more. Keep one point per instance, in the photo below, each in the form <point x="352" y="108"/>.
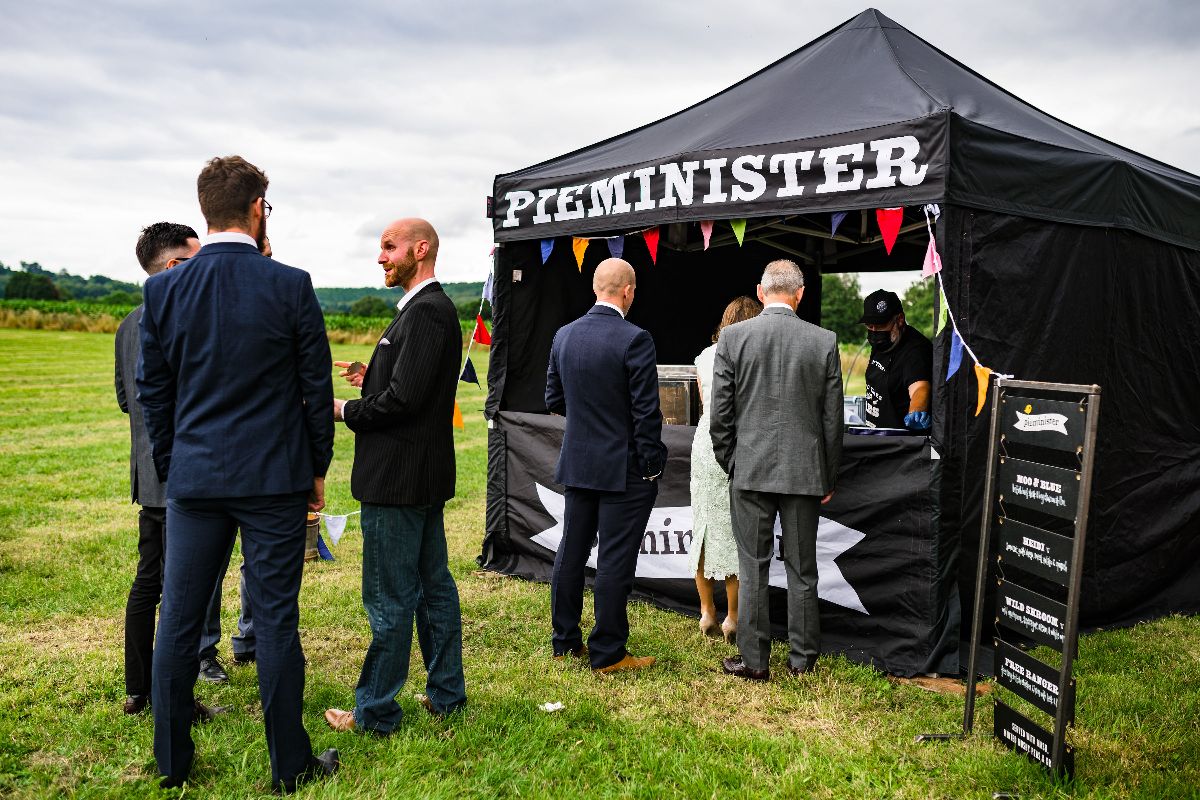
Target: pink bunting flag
<point x="651" y="237"/>
<point x="580" y="247"/>
<point x="889" y="220"/>
<point x="933" y="262"/>
<point x="706" y="231"/>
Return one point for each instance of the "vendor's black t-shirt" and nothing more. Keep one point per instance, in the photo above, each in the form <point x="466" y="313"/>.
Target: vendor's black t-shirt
<point x="890" y="374"/>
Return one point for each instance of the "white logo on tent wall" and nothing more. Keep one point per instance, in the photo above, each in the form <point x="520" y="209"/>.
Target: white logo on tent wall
<point x="670" y="530"/>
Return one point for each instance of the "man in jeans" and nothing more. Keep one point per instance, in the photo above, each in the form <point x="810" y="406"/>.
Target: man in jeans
<point x="403" y="475"/>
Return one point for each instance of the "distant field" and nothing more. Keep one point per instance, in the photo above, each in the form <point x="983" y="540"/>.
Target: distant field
<point x="681" y="730"/>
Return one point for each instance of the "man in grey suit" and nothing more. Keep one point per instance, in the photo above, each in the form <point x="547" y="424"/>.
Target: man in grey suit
<point x="776" y="428"/>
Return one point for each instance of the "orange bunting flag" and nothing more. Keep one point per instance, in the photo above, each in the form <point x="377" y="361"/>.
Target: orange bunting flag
<point x="651" y="237"/>
<point x="580" y="247"/>
<point x="481" y="334"/>
<point x="889" y="220"/>
<point x="739" y="229"/>
<point x="982" y="374"/>
<point x="458" y="418"/>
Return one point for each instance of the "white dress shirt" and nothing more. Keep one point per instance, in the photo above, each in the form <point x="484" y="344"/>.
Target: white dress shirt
<point x="400" y="303"/>
<point x="229" y="237"/>
<point x="615" y="308"/>
<point x="778" y="305"/>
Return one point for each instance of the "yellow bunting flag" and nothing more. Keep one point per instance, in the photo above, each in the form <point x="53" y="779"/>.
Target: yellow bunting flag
<point x="580" y="247"/>
<point x="739" y="229"/>
<point x="982" y="374"/>
<point x="458" y="419"/>
<point x="943" y="310"/>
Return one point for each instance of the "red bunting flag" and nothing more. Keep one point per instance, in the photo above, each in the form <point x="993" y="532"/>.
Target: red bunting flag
<point x="651" y="237"/>
<point x="481" y="334"/>
<point x="889" y="220"/>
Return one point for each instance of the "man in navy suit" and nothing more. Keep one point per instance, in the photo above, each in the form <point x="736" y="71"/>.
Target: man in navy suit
<point x="236" y="390"/>
<point x="603" y="377"/>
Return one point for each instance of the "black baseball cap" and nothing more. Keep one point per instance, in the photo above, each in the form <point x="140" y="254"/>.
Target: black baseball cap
<point x="880" y="306"/>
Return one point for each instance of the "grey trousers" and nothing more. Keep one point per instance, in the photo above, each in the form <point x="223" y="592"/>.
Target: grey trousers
<point x="754" y="528"/>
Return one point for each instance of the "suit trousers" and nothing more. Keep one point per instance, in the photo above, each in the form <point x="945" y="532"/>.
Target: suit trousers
<point x="198" y="537"/>
<point x="618" y="520"/>
<point x="754" y="516"/>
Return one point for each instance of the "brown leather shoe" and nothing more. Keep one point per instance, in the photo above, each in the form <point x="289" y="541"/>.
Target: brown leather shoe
<point x="579" y="652"/>
<point x="734" y="666"/>
<point x="629" y="662"/>
<point x="810" y="662"/>
<point x="205" y="713"/>
<point x="340" y="721"/>
<point x="136" y="703"/>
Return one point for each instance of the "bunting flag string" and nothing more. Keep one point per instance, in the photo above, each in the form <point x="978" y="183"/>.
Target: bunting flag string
<point x="706" y="227"/>
<point x="651" y="237"/>
<point x="739" y="229"/>
<point x="958" y="346"/>
<point x="579" y="246"/>
<point x="335" y="526"/>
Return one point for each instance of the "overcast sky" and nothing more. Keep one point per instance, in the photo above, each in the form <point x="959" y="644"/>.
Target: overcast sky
<point x="360" y="112"/>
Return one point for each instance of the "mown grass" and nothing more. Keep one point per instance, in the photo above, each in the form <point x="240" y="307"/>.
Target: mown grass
<point x="67" y="552"/>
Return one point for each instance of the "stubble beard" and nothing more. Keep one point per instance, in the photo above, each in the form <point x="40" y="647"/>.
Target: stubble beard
<point x="401" y="272"/>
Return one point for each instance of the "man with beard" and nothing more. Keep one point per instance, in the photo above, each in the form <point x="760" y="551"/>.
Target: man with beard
<point x="235" y="387"/>
<point x="403" y="475"/>
<point x="900" y="371"/>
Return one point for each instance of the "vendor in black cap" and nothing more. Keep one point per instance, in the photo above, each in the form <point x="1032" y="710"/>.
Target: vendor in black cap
<point x="900" y="369"/>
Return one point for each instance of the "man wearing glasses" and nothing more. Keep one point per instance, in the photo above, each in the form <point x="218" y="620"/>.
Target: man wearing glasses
<point x="236" y="390"/>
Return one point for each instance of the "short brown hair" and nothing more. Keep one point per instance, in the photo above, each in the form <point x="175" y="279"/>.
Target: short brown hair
<point x="227" y="188"/>
<point x="739" y="309"/>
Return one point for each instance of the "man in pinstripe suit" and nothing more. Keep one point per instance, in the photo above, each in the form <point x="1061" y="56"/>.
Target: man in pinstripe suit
<point x="403" y="475"/>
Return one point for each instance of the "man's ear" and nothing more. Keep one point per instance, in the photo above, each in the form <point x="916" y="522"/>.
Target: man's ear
<point x="762" y="298"/>
<point x="799" y="295"/>
<point x="421" y="250"/>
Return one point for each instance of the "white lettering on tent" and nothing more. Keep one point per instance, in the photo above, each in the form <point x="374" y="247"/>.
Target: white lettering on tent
<point x="750" y="183"/>
<point x="715" y="195"/>
<point x="832" y="157"/>
<point x="791" y="181"/>
<point x="886" y="162"/>
<point x="645" y="201"/>
<point x="678" y="183"/>
<point x="518" y="200"/>
<point x="608" y="196"/>
<point x="541" y="216"/>
<point x="566" y="197"/>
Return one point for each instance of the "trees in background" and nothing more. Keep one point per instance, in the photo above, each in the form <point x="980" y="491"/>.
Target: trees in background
<point x="371" y="306"/>
<point x="841" y="306"/>
<point x="918" y="305"/>
<point x="30" y="286"/>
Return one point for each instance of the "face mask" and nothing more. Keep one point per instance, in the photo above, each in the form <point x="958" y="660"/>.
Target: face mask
<point x="879" y="339"/>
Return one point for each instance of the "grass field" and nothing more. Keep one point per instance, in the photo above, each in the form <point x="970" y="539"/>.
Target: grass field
<point x="67" y="554"/>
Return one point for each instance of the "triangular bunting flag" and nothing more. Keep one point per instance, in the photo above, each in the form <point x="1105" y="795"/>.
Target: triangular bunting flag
<point x="616" y="246"/>
<point x="889" y="220"/>
<point x="335" y="526"/>
<point x="487" y="288"/>
<point x="935" y="209"/>
<point x="838" y="216"/>
<point x="468" y="374"/>
<point x="739" y="229"/>
<point x="706" y="231"/>
<point x="933" y="262"/>
<point x="323" y="549"/>
<point x="651" y="237"/>
<point x="982" y="374"/>
<point x="481" y="334"/>
<point x="943" y="312"/>
<point x="458" y="418"/>
<point x="547" y="249"/>
<point x="580" y="248"/>
<point x="956" y="351"/>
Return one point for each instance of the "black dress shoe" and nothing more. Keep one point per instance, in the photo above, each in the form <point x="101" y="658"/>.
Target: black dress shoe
<point x="809" y="663"/>
<point x="242" y="659"/>
<point x="212" y="671"/>
<point x="321" y="766"/>
<point x="734" y="666"/>
<point x="136" y="703"/>
<point x="205" y="713"/>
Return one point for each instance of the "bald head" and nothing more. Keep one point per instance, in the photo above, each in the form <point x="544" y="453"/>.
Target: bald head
<point x="614" y="283"/>
<point x="408" y="252"/>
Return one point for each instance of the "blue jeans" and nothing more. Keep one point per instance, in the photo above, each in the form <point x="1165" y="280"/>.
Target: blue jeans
<point x="406" y="575"/>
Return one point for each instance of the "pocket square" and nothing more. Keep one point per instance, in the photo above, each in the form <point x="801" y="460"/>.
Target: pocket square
<point x="384" y="341"/>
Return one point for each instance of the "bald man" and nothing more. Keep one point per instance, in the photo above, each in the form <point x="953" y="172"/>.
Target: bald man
<point x="403" y="475"/>
<point x="603" y="377"/>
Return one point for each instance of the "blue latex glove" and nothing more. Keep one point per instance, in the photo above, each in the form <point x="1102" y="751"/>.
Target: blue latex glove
<point x="918" y="421"/>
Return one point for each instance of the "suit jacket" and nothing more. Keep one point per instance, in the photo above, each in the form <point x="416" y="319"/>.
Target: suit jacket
<point x="776" y="418"/>
<point x="403" y="425"/>
<point x="603" y="377"/>
<point x="235" y="378"/>
<point x="144" y="486"/>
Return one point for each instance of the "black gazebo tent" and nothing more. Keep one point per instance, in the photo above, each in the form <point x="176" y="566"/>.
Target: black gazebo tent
<point x="1066" y="258"/>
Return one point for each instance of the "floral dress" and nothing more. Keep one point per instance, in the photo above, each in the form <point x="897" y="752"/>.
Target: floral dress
<point x="712" y="526"/>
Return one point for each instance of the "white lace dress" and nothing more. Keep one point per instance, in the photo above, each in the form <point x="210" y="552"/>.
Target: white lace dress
<point x="712" y="527"/>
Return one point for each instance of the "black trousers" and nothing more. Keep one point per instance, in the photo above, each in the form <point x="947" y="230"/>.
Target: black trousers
<point x="198" y="537"/>
<point x="618" y="519"/>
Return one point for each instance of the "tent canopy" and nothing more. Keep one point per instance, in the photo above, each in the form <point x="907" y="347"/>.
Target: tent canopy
<point x="868" y="115"/>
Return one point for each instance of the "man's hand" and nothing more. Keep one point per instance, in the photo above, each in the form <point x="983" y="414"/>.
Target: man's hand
<point x="827" y="498"/>
<point x="919" y="421"/>
<point x="338" y="405"/>
<point x="353" y="372"/>
<point x="316" y="498"/>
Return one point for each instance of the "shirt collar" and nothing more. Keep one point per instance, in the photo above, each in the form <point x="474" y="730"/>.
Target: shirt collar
<point x="230" y="237"/>
<point x="778" y="305"/>
<point x="615" y="308"/>
<point x="400" y="303"/>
